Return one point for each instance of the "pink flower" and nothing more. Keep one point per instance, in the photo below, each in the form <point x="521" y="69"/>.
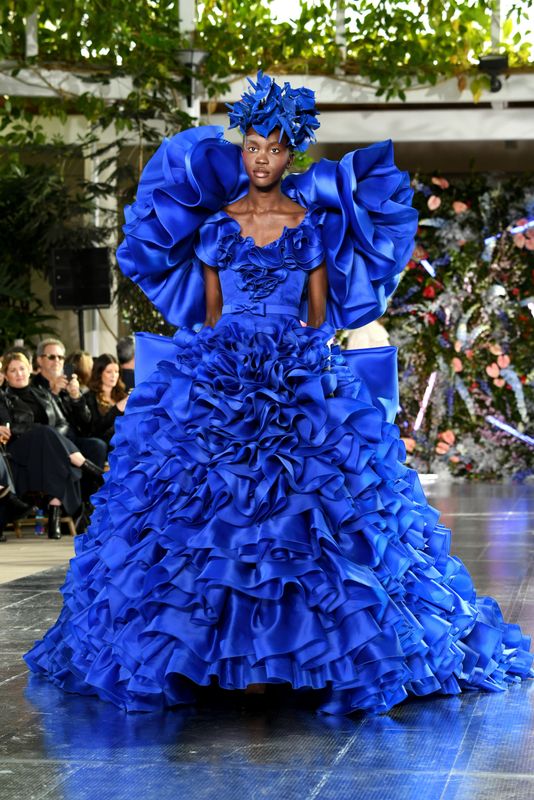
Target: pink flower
<point x="503" y="361"/>
<point x="493" y="370"/>
<point x="459" y="207"/>
<point x="499" y="382"/>
<point x="529" y="244"/>
<point x="434" y="203"/>
<point x="520" y="240"/>
<point x="448" y="436"/>
<point x="455" y="459"/>
<point x="496" y="349"/>
<point x="457" y="365"/>
<point x="442" y="448"/>
<point x="409" y="443"/>
<point x="443" y="183"/>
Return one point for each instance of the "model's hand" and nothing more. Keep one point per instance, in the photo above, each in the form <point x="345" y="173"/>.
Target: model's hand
<point x="73" y="388"/>
<point x="121" y="405"/>
<point x="5" y="434"/>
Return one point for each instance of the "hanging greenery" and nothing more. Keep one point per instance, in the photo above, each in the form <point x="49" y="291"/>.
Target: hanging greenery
<point x="391" y="45"/>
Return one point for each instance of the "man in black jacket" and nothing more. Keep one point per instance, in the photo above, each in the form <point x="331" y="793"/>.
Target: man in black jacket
<point x="66" y="393"/>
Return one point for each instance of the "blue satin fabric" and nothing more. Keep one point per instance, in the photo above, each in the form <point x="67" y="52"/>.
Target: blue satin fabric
<point x="258" y="523"/>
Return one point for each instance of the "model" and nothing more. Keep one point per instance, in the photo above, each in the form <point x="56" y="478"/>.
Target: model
<point x="258" y="524"/>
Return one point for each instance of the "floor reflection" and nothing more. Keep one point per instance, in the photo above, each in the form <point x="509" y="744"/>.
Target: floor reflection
<point x="55" y="746"/>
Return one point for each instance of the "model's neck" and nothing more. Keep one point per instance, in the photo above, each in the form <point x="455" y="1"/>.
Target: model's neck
<point x="264" y="200"/>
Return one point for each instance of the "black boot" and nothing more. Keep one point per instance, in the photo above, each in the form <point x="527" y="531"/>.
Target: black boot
<point x="54" y="522"/>
<point x="16" y="508"/>
<point x="92" y="469"/>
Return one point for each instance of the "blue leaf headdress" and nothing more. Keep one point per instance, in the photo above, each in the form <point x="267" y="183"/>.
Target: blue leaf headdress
<point x="270" y="106"/>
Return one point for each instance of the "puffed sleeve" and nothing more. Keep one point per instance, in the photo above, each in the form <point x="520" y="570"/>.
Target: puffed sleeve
<point x="191" y="176"/>
<point x="368" y="228"/>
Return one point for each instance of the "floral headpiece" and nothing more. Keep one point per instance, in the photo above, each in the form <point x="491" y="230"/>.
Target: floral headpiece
<point x="270" y="106"/>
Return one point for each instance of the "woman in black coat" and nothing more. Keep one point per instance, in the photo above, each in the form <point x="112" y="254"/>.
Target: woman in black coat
<point x="42" y="457"/>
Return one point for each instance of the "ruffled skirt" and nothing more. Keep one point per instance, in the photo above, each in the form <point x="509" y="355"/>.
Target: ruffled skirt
<point x="258" y="526"/>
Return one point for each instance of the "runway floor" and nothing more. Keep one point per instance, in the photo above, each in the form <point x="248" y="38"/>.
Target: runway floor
<point x="472" y="747"/>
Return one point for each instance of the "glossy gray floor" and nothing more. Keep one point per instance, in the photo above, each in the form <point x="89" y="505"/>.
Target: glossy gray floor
<point x="62" y="747"/>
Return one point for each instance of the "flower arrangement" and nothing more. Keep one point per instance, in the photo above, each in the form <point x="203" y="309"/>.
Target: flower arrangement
<point x="465" y="310"/>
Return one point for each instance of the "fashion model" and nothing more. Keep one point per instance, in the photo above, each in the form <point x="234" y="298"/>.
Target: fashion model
<point x="258" y="525"/>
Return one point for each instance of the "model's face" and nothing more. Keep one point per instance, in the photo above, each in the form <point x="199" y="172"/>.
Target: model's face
<point x="265" y="159"/>
<point x="17" y="375"/>
<point x="52" y="361"/>
<point x="110" y="376"/>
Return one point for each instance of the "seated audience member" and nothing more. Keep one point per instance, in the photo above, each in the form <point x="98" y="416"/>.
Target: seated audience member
<point x="126" y="358"/>
<point x="107" y="396"/>
<point x="67" y="395"/>
<point x="11" y="506"/>
<point x="81" y="364"/>
<point x="43" y="458"/>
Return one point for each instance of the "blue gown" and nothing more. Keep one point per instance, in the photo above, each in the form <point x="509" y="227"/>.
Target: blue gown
<point x="258" y="524"/>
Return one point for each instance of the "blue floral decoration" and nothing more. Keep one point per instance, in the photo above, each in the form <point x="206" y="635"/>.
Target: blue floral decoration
<point x="270" y="106"/>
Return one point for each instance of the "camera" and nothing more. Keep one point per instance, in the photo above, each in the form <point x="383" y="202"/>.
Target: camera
<point x="494" y="64"/>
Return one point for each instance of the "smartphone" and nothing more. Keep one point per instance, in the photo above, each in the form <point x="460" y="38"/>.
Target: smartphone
<point x="68" y="371"/>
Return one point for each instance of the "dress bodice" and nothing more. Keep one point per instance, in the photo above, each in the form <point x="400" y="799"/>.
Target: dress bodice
<point x="274" y="274"/>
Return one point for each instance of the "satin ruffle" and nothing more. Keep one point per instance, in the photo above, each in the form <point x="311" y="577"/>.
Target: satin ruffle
<point x="257" y="525"/>
<point x="189" y="177"/>
<point x="368" y="228"/>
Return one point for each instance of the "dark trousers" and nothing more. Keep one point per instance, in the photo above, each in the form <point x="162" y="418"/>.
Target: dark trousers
<point x="94" y="449"/>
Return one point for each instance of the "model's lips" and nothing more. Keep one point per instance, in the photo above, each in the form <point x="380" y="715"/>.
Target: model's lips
<point x="261" y="173"/>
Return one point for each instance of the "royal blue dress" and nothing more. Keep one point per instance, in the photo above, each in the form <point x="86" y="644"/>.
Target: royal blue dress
<point x="258" y="524"/>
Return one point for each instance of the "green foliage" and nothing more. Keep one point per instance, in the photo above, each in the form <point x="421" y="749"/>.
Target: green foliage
<point x="471" y="324"/>
<point x="37" y="213"/>
<point x="21" y="312"/>
<point x="40" y="209"/>
<point x="388" y="43"/>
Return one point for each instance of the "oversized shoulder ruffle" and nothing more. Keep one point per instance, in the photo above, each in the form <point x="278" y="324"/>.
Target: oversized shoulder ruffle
<point x="191" y="175"/>
<point x="368" y="228"/>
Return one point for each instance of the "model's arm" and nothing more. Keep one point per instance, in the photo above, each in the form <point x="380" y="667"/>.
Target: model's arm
<point x="317" y="291"/>
<point x="213" y="296"/>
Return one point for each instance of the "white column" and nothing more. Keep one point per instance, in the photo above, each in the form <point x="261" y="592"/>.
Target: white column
<point x="102" y="325"/>
<point x="32" y="43"/>
<point x="496" y="25"/>
<point x="187" y="9"/>
<point x="341" y="39"/>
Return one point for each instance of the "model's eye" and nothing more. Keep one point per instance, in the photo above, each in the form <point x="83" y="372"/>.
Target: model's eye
<point x="275" y="150"/>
